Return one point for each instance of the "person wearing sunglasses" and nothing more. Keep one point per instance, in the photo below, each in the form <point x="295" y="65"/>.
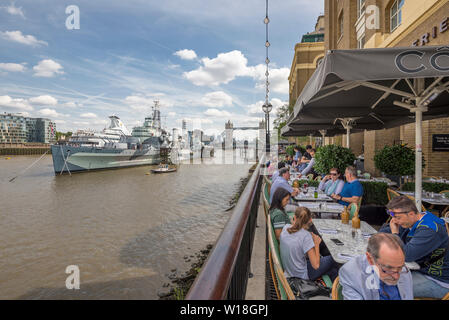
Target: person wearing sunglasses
<point x="332" y="183"/>
<point x="379" y="274"/>
<point x="426" y="242"/>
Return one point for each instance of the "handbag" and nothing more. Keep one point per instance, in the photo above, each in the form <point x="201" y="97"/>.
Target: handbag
<point x="306" y="289"/>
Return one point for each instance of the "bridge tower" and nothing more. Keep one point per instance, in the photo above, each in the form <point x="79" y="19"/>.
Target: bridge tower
<point x="229" y="132"/>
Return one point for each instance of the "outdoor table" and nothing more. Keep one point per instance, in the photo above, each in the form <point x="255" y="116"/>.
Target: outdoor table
<point x="322" y="207"/>
<point x="385" y="180"/>
<point x="437" y="199"/>
<point x="432" y="180"/>
<point x="309" y="196"/>
<point x="352" y="246"/>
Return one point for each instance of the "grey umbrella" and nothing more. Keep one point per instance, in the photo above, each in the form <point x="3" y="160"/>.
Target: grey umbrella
<point x="378" y="88"/>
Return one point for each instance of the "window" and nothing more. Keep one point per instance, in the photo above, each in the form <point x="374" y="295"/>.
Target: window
<point x="360" y="7"/>
<point x="396" y="14"/>
<point x="340" y="26"/>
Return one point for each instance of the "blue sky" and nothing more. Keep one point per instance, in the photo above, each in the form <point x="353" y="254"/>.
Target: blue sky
<point x="204" y="60"/>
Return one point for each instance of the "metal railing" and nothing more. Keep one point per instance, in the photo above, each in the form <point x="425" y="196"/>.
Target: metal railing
<point x="224" y="275"/>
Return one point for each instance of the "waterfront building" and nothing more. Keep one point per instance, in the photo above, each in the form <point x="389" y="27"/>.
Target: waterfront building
<point x="12" y="129"/>
<point x="362" y="24"/>
<point x="19" y="129"/>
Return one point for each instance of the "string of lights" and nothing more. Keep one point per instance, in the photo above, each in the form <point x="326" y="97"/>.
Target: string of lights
<point x="267" y="107"/>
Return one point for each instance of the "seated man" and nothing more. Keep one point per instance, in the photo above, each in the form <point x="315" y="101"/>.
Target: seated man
<point x="306" y="157"/>
<point x="380" y="274"/>
<point x="426" y="243"/>
<point x="281" y="165"/>
<point x="352" y="190"/>
<point x="282" y="182"/>
<point x="309" y="168"/>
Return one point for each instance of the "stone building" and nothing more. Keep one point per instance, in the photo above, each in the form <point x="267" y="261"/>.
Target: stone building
<point x="358" y="24"/>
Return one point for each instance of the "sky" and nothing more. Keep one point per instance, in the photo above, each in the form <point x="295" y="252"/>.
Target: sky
<point x="204" y="60"/>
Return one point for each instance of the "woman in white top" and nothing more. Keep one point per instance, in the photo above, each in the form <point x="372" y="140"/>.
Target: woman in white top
<point x="332" y="183"/>
<point x="297" y="244"/>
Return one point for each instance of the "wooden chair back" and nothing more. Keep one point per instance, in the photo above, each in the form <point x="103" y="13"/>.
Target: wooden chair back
<point x="337" y="289"/>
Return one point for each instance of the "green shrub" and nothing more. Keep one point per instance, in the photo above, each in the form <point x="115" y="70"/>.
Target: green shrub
<point x="429" y="187"/>
<point x="289" y="150"/>
<point x="333" y="156"/>
<point x="312" y="183"/>
<point x="397" y="160"/>
<point x="374" y="193"/>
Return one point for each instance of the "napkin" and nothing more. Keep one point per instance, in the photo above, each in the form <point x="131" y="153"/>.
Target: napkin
<point x="328" y="231"/>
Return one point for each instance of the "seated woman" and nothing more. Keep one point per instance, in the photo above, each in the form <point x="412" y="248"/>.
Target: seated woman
<point x="297" y="244"/>
<point x="332" y="183"/>
<point x="279" y="218"/>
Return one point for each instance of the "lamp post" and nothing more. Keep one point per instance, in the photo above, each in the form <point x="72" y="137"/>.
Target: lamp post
<point x="267" y="107"/>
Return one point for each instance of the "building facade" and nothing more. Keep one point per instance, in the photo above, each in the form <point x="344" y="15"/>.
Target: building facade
<point x="358" y="24"/>
<point x="19" y="129"/>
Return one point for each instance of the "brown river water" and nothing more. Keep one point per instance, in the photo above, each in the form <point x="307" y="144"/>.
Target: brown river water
<point x="125" y="230"/>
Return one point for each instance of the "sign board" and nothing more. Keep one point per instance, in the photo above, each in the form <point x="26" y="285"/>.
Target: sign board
<point x="440" y="142"/>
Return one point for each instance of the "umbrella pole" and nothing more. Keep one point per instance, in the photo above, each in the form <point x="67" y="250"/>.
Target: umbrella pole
<point x="348" y="132"/>
<point x="418" y="162"/>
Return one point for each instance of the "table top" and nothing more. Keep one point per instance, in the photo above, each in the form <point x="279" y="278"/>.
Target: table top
<point x="309" y="196"/>
<point x="322" y="207"/>
<point x="352" y="246"/>
<point x="386" y="180"/>
<point x="437" y="198"/>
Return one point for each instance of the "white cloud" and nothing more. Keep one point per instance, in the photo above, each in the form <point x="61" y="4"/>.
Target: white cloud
<point x="17" y="36"/>
<point x="21" y="104"/>
<point x="222" y="69"/>
<point x="88" y="115"/>
<point x="12" y="67"/>
<point x="186" y="54"/>
<point x="217" y="99"/>
<point x="50" y="113"/>
<point x="227" y="66"/>
<point x="255" y="109"/>
<point x="47" y="68"/>
<point x="45" y="100"/>
<point x="172" y="114"/>
<point x="278" y="78"/>
<point x="72" y="104"/>
<point x="13" y="10"/>
<point x="217" y="113"/>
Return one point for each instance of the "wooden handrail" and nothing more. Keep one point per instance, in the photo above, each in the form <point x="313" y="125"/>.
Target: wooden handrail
<point x="213" y="281"/>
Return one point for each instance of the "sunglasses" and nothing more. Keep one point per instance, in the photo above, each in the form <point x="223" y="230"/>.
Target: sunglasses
<point x="392" y="213"/>
<point x="333" y="174"/>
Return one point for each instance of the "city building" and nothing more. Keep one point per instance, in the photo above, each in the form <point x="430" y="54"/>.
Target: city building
<point x="19" y="129"/>
<point x="13" y="129"/>
<point x="361" y="24"/>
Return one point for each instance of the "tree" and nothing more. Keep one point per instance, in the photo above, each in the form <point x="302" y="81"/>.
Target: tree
<point x="333" y="156"/>
<point x="282" y="115"/>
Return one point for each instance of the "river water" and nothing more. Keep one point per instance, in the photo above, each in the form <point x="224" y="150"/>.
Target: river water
<point x="124" y="229"/>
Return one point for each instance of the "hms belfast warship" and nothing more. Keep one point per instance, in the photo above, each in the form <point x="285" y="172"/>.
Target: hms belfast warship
<point x="112" y="148"/>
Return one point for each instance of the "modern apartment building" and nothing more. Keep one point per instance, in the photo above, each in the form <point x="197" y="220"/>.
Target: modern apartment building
<point x="19" y="129"/>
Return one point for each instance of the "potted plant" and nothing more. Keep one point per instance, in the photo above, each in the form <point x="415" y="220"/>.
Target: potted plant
<point x="333" y="156"/>
<point x="396" y="161"/>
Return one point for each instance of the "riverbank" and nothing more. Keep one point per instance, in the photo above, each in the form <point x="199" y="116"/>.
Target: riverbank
<point x="180" y="284"/>
<point x="24" y="151"/>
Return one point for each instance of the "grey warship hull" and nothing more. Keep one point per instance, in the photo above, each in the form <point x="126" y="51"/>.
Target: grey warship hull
<point x="77" y="159"/>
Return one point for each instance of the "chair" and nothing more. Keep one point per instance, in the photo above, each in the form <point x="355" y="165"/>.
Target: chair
<point x="318" y="178"/>
<point x="423" y="209"/>
<point x="353" y="209"/>
<point x="268" y="182"/>
<point x="284" y="291"/>
<point x="337" y="290"/>
<point x="310" y="176"/>
<point x="446" y="297"/>
<point x="391" y="194"/>
<point x="266" y="200"/>
<point x="445" y="211"/>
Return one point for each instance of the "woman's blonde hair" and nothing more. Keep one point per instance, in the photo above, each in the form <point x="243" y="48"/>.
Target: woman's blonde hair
<point x="303" y="216"/>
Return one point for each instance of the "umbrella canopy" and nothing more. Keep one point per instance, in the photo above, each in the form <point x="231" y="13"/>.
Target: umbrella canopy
<point x="378" y="88"/>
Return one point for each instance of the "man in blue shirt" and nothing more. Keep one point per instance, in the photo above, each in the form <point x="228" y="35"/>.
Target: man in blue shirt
<point x="380" y="274"/>
<point x="352" y="190"/>
<point x="282" y="182"/>
<point x="426" y="243"/>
